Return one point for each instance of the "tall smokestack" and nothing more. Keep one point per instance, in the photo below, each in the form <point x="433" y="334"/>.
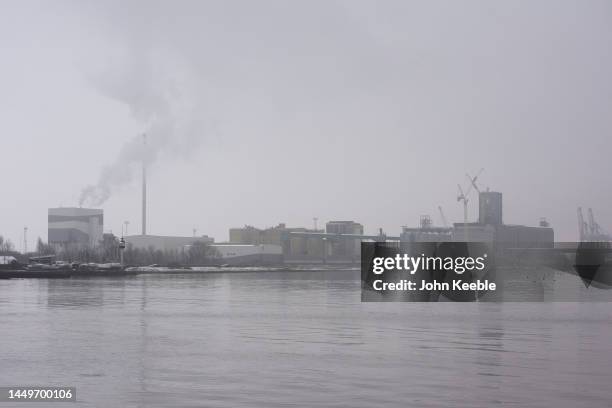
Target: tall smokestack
<point x="144" y="185"/>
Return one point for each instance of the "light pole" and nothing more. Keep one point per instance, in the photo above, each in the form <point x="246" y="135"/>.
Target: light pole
<point x="121" y="248"/>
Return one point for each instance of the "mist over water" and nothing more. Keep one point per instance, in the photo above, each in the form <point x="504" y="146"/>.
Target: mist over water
<point x="273" y="339"/>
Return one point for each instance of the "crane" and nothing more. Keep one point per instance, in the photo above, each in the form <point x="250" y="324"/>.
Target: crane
<point x="461" y="196"/>
<point x="473" y="179"/>
<point x="582" y="226"/>
<point x="594" y="229"/>
<point x="444" y="221"/>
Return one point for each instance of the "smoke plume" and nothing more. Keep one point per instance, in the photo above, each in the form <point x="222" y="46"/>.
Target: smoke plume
<point x="162" y="94"/>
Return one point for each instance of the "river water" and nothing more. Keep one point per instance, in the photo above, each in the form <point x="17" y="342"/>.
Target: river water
<point x="281" y="339"/>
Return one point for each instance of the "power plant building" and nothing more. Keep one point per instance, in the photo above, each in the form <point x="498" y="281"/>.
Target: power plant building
<point x="75" y="227"/>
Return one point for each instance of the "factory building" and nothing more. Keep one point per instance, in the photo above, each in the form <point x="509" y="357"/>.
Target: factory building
<point x="491" y="229"/>
<point x="256" y="236"/>
<point x="345" y="249"/>
<point x="75" y="227"/>
<point x="307" y="245"/>
<point x="521" y="236"/>
<point x="293" y="247"/>
<point x="164" y="242"/>
<point x="474" y="232"/>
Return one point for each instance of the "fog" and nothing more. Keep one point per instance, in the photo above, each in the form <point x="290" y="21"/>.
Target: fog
<point x="273" y="111"/>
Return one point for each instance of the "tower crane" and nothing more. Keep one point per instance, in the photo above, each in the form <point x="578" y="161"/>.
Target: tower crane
<point x="473" y="179"/>
<point x="461" y="196"/>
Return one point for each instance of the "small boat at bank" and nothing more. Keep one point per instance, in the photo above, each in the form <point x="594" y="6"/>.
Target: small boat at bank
<point x="34" y="273"/>
<point x="11" y="269"/>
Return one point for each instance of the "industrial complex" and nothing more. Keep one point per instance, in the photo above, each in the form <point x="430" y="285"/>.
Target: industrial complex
<point x="339" y="242"/>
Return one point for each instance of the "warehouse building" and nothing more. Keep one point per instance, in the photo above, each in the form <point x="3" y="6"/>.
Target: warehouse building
<point x="164" y="242"/>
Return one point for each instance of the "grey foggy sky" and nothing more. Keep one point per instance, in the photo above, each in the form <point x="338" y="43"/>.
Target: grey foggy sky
<point x="276" y="111"/>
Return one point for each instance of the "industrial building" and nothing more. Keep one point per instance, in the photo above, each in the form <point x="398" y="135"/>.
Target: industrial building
<point x="490" y="208"/>
<point x="75" y="227"/>
<point x="241" y="254"/>
<point x="164" y="242"/>
<point x="426" y="232"/>
<point x="344" y="249"/>
<point x="340" y="242"/>
<point x="489" y="229"/>
<point x="294" y="248"/>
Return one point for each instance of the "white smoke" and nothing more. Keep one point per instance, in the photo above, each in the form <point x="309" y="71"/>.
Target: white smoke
<point x="162" y="93"/>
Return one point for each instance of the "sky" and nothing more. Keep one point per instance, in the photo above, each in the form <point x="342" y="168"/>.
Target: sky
<point x="261" y="112"/>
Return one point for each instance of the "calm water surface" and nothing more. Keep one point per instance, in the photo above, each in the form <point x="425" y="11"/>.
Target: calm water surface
<point x="282" y="339"/>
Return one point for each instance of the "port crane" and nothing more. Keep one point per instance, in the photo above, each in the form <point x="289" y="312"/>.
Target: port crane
<point x="590" y="230"/>
<point x="582" y="226"/>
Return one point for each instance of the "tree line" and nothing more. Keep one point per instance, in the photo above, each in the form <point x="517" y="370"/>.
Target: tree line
<point x="196" y="254"/>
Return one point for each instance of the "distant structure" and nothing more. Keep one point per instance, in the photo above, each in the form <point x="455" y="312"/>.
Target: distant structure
<point x="227" y="253"/>
<point x="340" y="242"/>
<point x="25" y="240"/>
<point x="165" y="242"/>
<point x="75" y="227"/>
<point x="427" y="232"/>
<point x="489" y="228"/>
<point x="490" y="208"/>
<point x="294" y="247"/>
<point x="591" y="231"/>
<point x="349" y="249"/>
<point x="144" y="186"/>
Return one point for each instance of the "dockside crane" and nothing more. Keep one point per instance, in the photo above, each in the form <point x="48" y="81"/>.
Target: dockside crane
<point x="589" y="229"/>
<point x="594" y="228"/>
<point x="582" y="226"/>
